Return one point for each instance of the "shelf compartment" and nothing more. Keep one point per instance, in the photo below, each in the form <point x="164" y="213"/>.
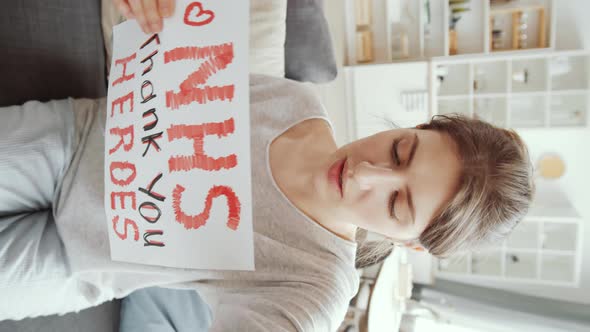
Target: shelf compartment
<point x="557" y="267"/>
<point x="367" y="32"/>
<point x="488" y="263"/>
<point x="456" y="264"/>
<point x="529" y="75"/>
<point x="492" y="110"/>
<point x="453" y="78"/>
<point x="569" y="72"/>
<point x="434" y="33"/>
<point x="568" y="110"/>
<point x="524" y="236"/>
<point x="363" y="10"/>
<point x="489" y="77"/>
<point x="559" y="236"/>
<point x="519" y="27"/>
<point x="469" y="31"/>
<point x="404" y="24"/>
<point x="527" y="111"/>
<point x="521" y="264"/>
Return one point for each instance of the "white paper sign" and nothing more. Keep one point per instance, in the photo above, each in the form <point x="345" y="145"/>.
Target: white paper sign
<point x="177" y="140"/>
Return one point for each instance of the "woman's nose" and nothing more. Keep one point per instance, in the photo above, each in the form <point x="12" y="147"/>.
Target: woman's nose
<point x="368" y="175"/>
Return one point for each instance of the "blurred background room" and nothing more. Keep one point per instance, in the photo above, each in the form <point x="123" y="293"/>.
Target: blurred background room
<point x="521" y="64"/>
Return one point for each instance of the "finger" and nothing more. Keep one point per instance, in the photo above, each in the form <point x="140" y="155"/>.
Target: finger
<point x="137" y="9"/>
<point x="154" y="21"/>
<point x="123" y="8"/>
<point x="166" y="7"/>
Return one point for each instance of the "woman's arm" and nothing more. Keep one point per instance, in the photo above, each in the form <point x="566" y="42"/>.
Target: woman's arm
<point x="148" y="13"/>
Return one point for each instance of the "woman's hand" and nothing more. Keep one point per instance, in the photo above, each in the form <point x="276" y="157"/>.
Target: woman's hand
<point x="148" y="13"/>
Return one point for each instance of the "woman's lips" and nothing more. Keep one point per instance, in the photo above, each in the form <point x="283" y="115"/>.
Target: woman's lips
<point x="335" y="175"/>
<point x="343" y="176"/>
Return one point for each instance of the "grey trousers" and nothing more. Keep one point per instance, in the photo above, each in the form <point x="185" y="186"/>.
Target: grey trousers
<point x="35" y="149"/>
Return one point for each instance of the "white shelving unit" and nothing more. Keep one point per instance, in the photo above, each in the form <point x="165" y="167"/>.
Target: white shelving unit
<point x="425" y="25"/>
<point x="526" y="90"/>
<point x="546" y="248"/>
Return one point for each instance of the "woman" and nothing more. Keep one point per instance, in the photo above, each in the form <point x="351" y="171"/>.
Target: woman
<point x="445" y="186"/>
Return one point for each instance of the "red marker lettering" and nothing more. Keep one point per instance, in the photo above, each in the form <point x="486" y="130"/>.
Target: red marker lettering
<point x="122" y="133"/>
<point x="120" y="101"/>
<point x="124" y="62"/>
<point x="128" y="222"/>
<point x="123" y="166"/>
<point x="199" y="159"/>
<point x="196" y="221"/>
<point x="122" y="195"/>
<point x="218" y="58"/>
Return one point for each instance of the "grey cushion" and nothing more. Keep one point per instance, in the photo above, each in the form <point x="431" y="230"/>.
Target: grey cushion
<point x="50" y="50"/>
<point x="309" y="54"/>
<point x="102" y="318"/>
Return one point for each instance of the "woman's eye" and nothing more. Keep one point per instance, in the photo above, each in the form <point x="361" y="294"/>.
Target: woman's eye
<point x="392" y="205"/>
<point x="395" y="153"/>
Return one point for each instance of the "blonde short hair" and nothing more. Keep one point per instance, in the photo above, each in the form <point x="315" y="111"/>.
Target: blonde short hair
<point x="495" y="190"/>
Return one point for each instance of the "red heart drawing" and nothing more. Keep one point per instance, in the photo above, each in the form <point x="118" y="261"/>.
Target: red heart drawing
<point x="203" y="17"/>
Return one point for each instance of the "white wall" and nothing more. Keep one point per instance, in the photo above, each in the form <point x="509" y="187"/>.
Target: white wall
<point x="573" y="24"/>
<point x="333" y="93"/>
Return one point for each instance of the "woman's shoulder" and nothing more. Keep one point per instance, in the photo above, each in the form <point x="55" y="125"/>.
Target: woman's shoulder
<point x="259" y="79"/>
<point x="263" y="87"/>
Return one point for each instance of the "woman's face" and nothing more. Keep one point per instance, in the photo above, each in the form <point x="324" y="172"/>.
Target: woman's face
<point x="393" y="182"/>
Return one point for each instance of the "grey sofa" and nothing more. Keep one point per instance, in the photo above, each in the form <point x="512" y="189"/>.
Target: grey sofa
<point x="54" y="50"/>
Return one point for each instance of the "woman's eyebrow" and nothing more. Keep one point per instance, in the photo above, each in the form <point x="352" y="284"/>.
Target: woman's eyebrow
<point x="413" y="150"/>
<point x="409" y="193"/>
<point x="411" y="205"/>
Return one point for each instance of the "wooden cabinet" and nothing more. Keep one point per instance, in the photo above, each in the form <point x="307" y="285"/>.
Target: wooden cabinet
<point x="421" y="29"/>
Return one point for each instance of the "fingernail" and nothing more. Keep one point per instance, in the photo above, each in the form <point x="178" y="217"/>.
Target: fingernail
<point x="156" y="27"/>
